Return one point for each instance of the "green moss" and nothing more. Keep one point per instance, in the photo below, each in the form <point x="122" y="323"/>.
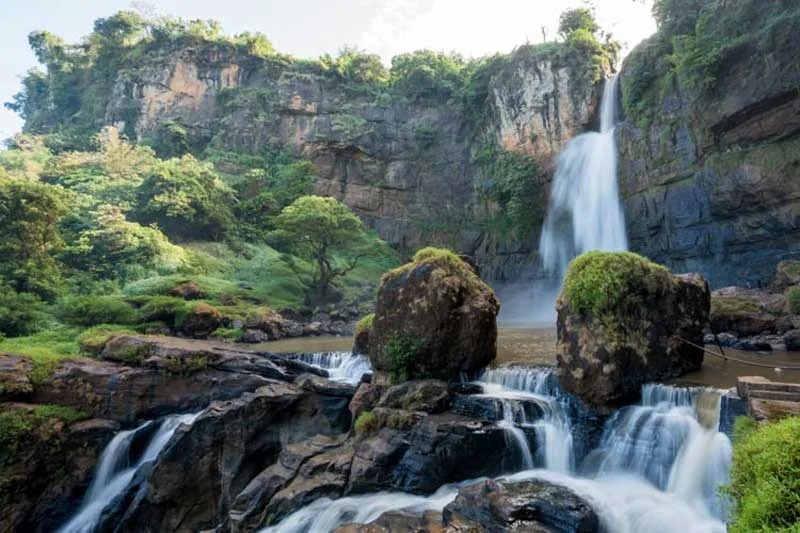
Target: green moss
<point x="365" y="324"/>
<point x="400" y="351"/>
<point x="732" y="306"/>
<point x="165" y="309"/>
<point x="45" y="350"/>
<point x="66" y="414"/>
<point x="366" y="423"/>
<point x="93" y="340"/>
<point x="765" y="478"/>
<point x="227" y="334"/>
<point x="607" y="284"/>
<point x="14" y="424"/>
<point x="448" y="261"/>
<point x="793" y="297"/>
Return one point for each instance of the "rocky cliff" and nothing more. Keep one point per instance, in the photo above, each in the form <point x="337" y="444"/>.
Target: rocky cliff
<point x="409" y="168"/>
<point x="709" y="151"/>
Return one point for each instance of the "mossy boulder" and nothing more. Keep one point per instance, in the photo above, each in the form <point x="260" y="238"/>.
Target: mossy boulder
<point x="361" y="338"/>
<point x="624" y="321"/>
<point x="435" y="318"/>
<point x="745" y="312"/>
<point x="199" y="320"/>
<point x="787" y="273"/>
<point x="187" y="290"/>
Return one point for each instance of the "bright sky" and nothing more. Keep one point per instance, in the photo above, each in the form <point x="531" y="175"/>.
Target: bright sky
<point x="309" y="28"/>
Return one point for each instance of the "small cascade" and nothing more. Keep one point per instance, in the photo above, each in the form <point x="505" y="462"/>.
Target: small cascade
<point x="672" y="441"/>
<point x="326" y="514"/>
<point x="553" y="428"/>
<point x="341" y="366"/>
<point x="116" y="470"/>
<point x="513" y="413"/>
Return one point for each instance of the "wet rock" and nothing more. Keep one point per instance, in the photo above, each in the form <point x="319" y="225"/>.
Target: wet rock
<point x="199" y="474"/>
<point x="505" y="506"/>
<point x="52" y="467"/>
<point x="334" y="396"/>
<point x="366" y="397"/>
<point x="624" y="321"/>
<point x="430" y="396"/>
<point x="434" y="318"/>
<point x="791" y="339"/>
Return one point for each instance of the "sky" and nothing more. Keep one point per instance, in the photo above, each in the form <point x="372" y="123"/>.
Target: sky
<point x="309" y="28"/>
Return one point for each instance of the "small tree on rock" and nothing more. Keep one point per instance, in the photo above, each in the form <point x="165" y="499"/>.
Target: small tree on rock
<point x="317" y="228"/>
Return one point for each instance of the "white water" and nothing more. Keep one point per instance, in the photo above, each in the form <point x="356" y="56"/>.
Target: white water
<point x="115" y="471"/>
<point x="341" y="366"/>
<point x="584" y="212"/>
<point x="657" y="468"/>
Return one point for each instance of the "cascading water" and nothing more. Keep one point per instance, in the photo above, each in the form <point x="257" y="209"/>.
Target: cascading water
<point x="115" y="471"/>
<point x="657" y="469"/>
<point x="584" y="212"/>
<point x="341" y="366"/>
<point x="553" y="427"/>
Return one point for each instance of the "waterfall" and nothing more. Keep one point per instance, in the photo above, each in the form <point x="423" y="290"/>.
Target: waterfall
<point x="553" y="428"/>
<point x="584" y="212"/>
<point x="116" y="470"/>
<point x="341" y="366"/>
<point x="672" y="441"/>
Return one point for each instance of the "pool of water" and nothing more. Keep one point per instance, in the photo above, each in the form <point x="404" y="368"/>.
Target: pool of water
<point x="536" y="345"/>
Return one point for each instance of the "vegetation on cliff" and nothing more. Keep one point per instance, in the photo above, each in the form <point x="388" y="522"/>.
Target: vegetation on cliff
<point x="765" y="477"/>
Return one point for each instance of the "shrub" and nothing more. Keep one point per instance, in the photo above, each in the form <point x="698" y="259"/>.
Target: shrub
<point x="161" y="309"/>
<point x="20" y="313"/>
<point x="365" y="324"/>
<point x="366" y="423"/>
<point x="93" y="310"/>
<point x="765" y="477"/>
<point x="401" y="349"/>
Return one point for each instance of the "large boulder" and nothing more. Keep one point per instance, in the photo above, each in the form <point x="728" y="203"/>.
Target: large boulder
<point x="624" y="321"/>
<point x="435" y="318"/>
<point x="745" y="312"/>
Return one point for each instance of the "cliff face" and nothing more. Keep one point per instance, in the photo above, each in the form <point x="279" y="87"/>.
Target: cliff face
<point x="407" y="168"/>
<point x="709" y="179"/>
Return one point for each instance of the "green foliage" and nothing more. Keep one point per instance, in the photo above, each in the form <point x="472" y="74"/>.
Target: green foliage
<point x="14" y="423"/>
<point x="765" y="477"/>
<point x="316" y="227"/>
<point x="610" y="284"/>
<point x="578" y="19"/>
<point x="515" y="183"/>
<point x="29" y="234"/>
<point x="20" y="313"/>
<point x="45" y="350"/>
<point x="365" y="324"/>
<point x="93" y="310"/>
<point x="172" y="140"/>
<point x="66" y="414"/>
<point x="428" y="76"/>
<point x="366" y="423"/>
<point x="400" y="349"/>
<point x="793" y="297"/>
<point x="187" y="199"/>
<point x="165" y="309"/>
<point x="356" y="66"/>
<point x="350" y="126"/>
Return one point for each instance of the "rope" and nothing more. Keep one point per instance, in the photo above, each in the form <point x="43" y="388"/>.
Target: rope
<point x="727" y="357"/>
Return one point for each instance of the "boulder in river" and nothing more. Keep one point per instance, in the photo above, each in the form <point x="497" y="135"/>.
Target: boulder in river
<point x="435" y="318"/>
<point x="624" y="321"/>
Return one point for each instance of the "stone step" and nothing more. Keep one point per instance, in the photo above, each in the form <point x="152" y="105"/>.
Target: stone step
<point x="746" y="384"/>
<point x="770" y="410"/>
<point x="774" y="395"/>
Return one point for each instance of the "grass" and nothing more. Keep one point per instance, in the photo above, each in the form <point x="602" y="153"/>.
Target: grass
<point x="765" y="477"/>
<point x="366" y="423"/>
<point x="45" y="350"/>
<point x="93" y="340"/>
<point x="365" y="324"/>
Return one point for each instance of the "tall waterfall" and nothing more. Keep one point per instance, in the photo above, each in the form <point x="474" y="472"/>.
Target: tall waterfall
<point x="116" y="470"/>
<point x="584" y="212"/>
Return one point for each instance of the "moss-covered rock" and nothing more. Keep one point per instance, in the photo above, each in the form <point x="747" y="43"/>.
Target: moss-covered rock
<point x="435" y="318"/>
<point x="624" y="321"/>
<point x="199" y="320"/>
<point x="361" y="338"/>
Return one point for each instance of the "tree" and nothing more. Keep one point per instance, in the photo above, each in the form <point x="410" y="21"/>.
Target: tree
<point x="317" y="228"/>
<point x="428" y="75"/>
<point x="29" y="234"/>
<point x="573" y="20"/>
<point x="187" y="199"/>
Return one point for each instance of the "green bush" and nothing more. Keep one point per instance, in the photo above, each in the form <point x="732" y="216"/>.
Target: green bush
<point x="765" y="477"/>
<point x="365" y="324"/>
<point x="401" y="349"/>
<point x="165" y="309"/>
<point x="366" y="423"/>
<point x="93" y="310"/>
<point x="20" y="313"/>
<point x="793" y="297"/>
